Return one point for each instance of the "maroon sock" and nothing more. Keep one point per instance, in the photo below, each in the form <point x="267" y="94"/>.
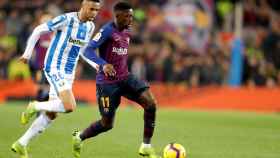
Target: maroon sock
<point x="93" y="130"/>
<point x="149" y="124"/>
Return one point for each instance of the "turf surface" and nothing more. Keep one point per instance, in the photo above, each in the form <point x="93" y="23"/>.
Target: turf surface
<point x="204" y="134"/>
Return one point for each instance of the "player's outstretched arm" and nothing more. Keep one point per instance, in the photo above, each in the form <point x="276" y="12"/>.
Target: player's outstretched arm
<point x="50" y="26"/>
<point x="89" y="55"/>
<point x="92" y="59"/>
<point x="98" y="63"/>
<point x="41" y="29"/>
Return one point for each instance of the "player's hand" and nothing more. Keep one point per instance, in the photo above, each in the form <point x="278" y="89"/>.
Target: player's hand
<point x="109" y="70"/>
<point x="24" y="60"/>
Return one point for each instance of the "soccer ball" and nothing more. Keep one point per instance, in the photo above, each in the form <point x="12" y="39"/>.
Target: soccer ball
<point x="174" y="150"/>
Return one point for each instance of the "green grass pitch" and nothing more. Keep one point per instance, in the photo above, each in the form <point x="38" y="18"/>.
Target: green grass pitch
<point x="203" y="134"/>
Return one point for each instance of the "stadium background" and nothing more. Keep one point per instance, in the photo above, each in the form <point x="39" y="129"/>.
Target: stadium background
<point x="197" y="54"/>
<point x="186" y="46"/>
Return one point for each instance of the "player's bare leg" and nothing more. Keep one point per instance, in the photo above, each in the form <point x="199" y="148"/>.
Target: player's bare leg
<point x="147" y="101"/>
<point x="68" y="100"/>
<point x="64" y="104"/>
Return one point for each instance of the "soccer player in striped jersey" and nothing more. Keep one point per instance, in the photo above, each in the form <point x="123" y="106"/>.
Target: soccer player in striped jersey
<point x="72" y="32"/>
<point x="113" y="41"/>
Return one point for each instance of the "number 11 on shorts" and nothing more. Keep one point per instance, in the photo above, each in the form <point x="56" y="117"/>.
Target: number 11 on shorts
<point x="105" y="103"/>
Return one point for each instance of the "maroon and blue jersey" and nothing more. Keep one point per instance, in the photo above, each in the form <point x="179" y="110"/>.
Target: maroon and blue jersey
<point x="113" y="49"/>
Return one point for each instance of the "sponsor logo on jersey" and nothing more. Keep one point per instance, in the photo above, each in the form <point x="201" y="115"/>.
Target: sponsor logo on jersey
<point x="120" y="51"/>
<point x="77" y="42"/>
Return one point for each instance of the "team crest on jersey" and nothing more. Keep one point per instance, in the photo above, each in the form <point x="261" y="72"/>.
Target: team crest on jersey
<point x="97" y="37"/>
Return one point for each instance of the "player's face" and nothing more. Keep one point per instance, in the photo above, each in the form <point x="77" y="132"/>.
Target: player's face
<point x="125" y="18"/>
<point x="90" y="10"/>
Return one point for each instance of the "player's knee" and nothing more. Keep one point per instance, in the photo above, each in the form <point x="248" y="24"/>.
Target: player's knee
<point x="69" y="107"/>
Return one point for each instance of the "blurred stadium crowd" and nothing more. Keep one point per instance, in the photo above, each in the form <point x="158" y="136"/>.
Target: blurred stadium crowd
<point x="175" y="41"/>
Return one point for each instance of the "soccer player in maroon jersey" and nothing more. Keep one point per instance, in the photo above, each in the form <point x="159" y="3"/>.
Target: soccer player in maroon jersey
<point x="112" y="41"/>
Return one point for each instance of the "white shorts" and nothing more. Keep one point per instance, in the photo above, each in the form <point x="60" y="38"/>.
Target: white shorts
<point x="58" y="83"/>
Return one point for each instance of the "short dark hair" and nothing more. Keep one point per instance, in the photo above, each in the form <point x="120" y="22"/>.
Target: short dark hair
<point x="121" y="6"/>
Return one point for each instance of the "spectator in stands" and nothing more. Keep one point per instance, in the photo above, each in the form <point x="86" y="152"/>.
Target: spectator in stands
<point x="166" y="56"/>
<point x="271" y="43"/>
<point x="3" y="64"/>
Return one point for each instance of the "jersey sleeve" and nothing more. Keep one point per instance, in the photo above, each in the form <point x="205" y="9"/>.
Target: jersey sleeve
<point x="94" y="61"/>
<point x="32" y="40"/>
<point x="57" y="22"/>
<point x="89" y="55"/>
<point x="90" y="52"/>
<point x="99" y="38"/>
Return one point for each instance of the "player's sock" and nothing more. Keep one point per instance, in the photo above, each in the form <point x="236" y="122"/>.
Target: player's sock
<point x="51" y="106"/>
<point x="146" y="145"/>
<point x="93" y="130"/>
<point x="149" y="124"/>
<point x="37" y="127"/>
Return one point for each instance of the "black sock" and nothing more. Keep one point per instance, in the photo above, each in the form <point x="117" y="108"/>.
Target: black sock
<point x="149" y="124"/>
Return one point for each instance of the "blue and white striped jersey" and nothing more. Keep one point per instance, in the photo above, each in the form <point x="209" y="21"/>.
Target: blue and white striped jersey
<point x="70" y="39"/>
